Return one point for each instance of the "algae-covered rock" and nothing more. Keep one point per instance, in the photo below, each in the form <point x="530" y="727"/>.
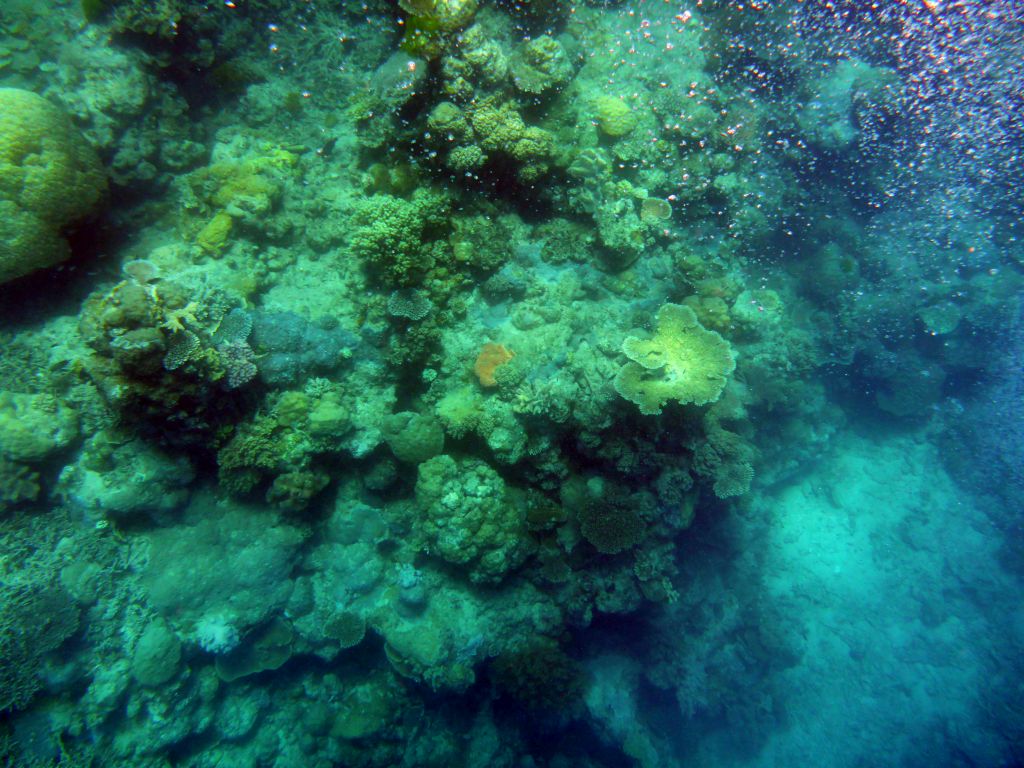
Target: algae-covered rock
<point x="268" y="650"/>
<point x="50" y="179"/>
<point x="157" y="655"/>
<point x="33" y="427"/>
<point x="837" y="103"/>
<point x="124" y="480"/>
<point x="366" y="709"/>
<point x="684" y="362"/>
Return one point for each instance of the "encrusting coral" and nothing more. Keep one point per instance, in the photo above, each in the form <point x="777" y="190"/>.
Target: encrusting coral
<point x="491" y="358"/>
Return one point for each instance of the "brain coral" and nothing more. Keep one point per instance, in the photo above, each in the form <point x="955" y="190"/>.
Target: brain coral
<point x="683" y="362"/>
<point x="50" y="179"/>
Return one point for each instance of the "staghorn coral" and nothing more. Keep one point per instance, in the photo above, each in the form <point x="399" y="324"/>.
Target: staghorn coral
<point x="684" y="362"/>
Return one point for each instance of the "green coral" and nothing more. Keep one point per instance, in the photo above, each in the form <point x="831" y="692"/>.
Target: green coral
<point x="398" y="239"/>
<point x="609" y="522"/>
<point x="50" y="179"/>
<point x="499" y="128"/>
<point x="541" y="64"/>
<point x="614" y="116"/>
<point x="468" y="519"/>
<point x="293" y="491"/>
<point x="539" y="676"/>
<point x="258" y="448"/>
<point x="18" y="484"/>
<point x="413" y="437"/>
<point x="725" y="458"/>
<point x="432" y="23"/>
<point x="684" y="362"/>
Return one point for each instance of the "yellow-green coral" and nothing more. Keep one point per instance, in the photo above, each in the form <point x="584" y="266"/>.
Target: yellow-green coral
<point x="214" y="236"/>
<point x="50" y="178"/>
<point x="614" y="116"/>
<point x="497" y="128"/>
<point x="399" y="239"/>
<point x="684" y="362"/>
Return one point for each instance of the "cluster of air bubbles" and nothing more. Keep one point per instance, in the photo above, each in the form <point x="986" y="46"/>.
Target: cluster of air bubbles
<point x="961" y="64"/>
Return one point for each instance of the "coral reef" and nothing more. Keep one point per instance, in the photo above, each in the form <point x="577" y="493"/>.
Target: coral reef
<point x="442" y="374"/>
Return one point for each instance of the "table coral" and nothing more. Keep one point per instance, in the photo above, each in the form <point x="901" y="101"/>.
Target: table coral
<point x="684" y="362"/>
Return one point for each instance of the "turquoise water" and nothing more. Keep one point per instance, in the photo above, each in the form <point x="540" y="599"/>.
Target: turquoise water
<point x="478" y="383"/>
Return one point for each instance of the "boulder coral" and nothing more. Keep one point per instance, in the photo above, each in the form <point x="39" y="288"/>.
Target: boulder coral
<point x="684" y="362"/>
<point x="50" y="180"/>
<point x="33" y="427"/>
<point x="614" y="116"/>
<point x="468" y="518"/>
